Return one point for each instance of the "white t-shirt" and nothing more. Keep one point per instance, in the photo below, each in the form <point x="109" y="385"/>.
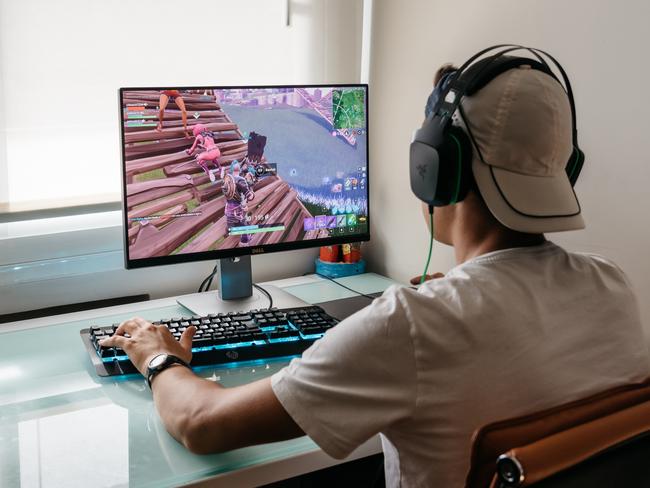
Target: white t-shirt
<point x="505" y="334"/>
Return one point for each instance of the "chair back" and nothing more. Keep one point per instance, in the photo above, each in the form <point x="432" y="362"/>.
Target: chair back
<point x="606" y="429"/>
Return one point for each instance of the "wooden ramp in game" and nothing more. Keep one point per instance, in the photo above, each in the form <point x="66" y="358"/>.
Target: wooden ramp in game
<point x="164" y="183"/>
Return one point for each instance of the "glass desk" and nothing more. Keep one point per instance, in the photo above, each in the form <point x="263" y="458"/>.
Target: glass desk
<point x="62" y="426"/>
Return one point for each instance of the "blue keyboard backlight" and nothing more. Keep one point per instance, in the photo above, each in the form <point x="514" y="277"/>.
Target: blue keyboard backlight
<point x="231" y="346"/>
<point x="311" y="336"/>
<point x="284" y="339"/>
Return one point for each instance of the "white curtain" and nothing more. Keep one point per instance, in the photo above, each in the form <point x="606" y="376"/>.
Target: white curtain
<point x="61" y="63"/>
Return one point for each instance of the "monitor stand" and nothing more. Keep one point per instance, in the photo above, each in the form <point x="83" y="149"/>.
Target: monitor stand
<point x="236" y="292"/>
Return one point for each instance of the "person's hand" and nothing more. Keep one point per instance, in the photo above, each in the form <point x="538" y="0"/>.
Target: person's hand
<point x="416" y="280"/>
<point x="147" y="340"/>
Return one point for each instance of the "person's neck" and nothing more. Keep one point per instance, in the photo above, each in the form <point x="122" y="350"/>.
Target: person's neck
<point x="469" y="244"/>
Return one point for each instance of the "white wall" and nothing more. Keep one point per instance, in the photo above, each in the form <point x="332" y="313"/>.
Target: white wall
<point x="4" y="169"/>
<point x="603" y="46"/>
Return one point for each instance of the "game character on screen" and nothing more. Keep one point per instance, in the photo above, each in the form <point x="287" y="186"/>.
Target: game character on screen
<point x="256" y="145"/>
<point x="250" y="175"/>
<point x="254" y="157"/>
<point x="209" y="151"/>
<point x="174" y="96"/>
<point x="238" y="193"/>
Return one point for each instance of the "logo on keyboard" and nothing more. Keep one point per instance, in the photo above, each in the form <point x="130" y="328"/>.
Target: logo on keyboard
<point x="232" y="355"/>
<point x="257" y="250"/>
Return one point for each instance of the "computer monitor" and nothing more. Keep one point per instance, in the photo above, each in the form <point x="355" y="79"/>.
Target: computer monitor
<point x="224" y="172"/>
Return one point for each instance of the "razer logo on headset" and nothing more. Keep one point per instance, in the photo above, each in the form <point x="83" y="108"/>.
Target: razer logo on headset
<point x="422" y="168"/>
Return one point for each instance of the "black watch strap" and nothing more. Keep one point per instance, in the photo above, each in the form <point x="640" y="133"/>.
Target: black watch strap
<point x="170" y="360"/>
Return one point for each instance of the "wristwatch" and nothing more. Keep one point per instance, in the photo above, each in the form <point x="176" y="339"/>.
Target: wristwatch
<point x="160" y="363"/>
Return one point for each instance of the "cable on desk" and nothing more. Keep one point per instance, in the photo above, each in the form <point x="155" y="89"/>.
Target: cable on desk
<point x="268" y="295"/>
<point x="208" y="280"/>
<point x="346" y="287"/>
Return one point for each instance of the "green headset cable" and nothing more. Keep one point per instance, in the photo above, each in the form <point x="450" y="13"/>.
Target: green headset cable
<point x="453" y="201"/>
<point x="426" y="266"/>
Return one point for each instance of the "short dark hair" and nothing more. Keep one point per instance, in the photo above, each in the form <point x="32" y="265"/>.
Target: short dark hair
<point x="442" y="71"/>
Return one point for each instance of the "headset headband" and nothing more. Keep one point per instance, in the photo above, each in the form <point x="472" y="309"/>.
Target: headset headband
<point x="444" y="109"/>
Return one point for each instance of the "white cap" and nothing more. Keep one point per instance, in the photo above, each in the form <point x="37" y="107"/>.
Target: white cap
<point x="521" y="123"/>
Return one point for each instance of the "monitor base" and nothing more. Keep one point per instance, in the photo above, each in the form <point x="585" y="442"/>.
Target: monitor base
<point x="209" y="302"/>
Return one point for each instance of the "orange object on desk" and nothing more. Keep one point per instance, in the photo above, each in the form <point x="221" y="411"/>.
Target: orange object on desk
<point x="330" y="254"/>
<point x="352" y="252"/>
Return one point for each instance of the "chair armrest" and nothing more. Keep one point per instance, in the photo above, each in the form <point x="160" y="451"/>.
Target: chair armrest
<point x="550" y="455"/>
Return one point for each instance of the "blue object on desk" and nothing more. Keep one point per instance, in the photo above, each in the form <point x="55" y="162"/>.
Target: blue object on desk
<point x="340" y="270"/>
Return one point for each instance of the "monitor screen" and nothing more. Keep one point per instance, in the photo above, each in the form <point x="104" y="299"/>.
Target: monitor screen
<point x="214" y="172"/>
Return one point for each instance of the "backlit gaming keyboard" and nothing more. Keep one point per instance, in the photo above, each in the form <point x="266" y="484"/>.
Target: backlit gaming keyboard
<point x="224" y="338"/>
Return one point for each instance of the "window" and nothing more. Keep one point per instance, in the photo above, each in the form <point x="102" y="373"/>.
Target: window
<point x="62" y="62"/>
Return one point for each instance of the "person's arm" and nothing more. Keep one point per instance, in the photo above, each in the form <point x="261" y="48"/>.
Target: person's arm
<point x="207" y="418"/>
<point x="196" y="141"/>
<point x="199" y="413"/>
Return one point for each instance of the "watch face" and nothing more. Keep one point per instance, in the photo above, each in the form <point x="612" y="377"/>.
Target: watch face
<point x="157" y="361"/>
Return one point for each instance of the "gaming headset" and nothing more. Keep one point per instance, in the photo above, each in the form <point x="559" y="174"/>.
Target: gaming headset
<point x="441" y="153"/>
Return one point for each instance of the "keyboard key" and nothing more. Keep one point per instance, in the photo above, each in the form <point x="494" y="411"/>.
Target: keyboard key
<point x="202" y="342"/>
<point x="219" y="340"/>
<point x="106" y="352"/>
<point x="240" y="318"/>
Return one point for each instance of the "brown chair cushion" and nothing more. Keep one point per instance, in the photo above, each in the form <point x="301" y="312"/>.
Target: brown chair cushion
<point x="497" y="438"/>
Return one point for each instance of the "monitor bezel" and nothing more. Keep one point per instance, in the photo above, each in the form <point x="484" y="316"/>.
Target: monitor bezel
<point x="243" y="251"/>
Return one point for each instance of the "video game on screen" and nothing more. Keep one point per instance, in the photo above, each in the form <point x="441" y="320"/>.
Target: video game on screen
<point x="213" y="169"/>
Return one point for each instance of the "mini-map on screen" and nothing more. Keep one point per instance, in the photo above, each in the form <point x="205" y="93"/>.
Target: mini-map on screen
<point x="348" y="107"/>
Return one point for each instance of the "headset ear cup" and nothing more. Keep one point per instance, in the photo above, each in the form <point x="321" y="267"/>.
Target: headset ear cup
<point x="459" y="153"/>
<point x="574" y="166"/>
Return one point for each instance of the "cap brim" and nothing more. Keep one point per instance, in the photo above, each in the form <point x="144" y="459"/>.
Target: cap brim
<point x="532" y="204"/>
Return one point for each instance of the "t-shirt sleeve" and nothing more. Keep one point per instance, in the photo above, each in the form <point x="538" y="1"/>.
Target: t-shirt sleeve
<point x="356" y="381"/>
